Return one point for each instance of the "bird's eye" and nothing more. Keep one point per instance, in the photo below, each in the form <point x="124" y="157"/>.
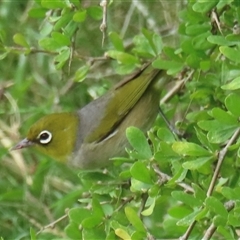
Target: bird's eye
<point x="45" y="137"/>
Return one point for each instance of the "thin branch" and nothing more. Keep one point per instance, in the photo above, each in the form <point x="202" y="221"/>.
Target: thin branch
<point x="221" y="157"/>
<point x="127" y="19"/>
<point x="52" y="224"/>
<point x="165" y="178"/>
<point x="176" y="88"/>
<point x="103" y="26"/>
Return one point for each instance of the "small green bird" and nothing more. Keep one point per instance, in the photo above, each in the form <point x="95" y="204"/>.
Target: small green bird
<point x="86" y="139"/>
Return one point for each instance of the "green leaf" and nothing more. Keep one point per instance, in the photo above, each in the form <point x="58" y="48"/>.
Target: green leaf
<point x="81" y="73"/>
<point x="77" y="215"/>
<point x="139" y="142"/>
<point x="204" y="6"/>
<point x="122" y="57"/>
<point x="196" y="164"/>
<point x="165" y="135"/>
<point x="37" y="12"/>
<point x="63" y="21"/>
<point x="149" y="210"/>
<point x="222" y="134"/>
<point x="231" y="194"/>
<point x="140" y="172"/>
<point x="214" y="205"/>
<point x="61" y="39"/>
<point x="224" y="231"/>
<point x="150" y="37"/>
<point x="53" y="4"/>
<point x="172" y="67"/>
<point x="231" y="53"/>
<point x="219" y="40"/>
<point x="231" y="103"/>
<point x="179" y="211"/>
<point x="80" y="16"/>
<point x="95" y="12"/>
<point x="134" y="219"/>
<point x="233" y="85"/>
<point x="198" y="192"/>
<point x="189" y="149"/>
<point x="186" y="221"/>
<point x="94" y="233"/>
<point x="197" y="29"/>
<point x="72" y="231"/>
<point x="223" y="117"/>
<point x="49" y="44"/>
<point x="116" y="41"/>
<point x="122" y="234"/>
<point x="91" y="222"/>
<point x="62" y="57"/>
<point x="188" y="199"/>
<point x="19" y="39"/>
<point x="33" y="234"/>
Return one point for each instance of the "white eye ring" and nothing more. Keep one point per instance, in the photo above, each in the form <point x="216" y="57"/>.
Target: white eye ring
<point x="44" y="137"/>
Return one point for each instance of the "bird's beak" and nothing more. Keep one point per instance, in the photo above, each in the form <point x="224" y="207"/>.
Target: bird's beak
<point x="22" y="144"/>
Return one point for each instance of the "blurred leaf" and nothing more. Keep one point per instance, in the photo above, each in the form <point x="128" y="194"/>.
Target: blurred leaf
<point x="72" y="231"/>
<point x="81" y="73"/>
<point x="122" y="57"/>
<point x="95" y="12"/>
<point x="37" y="12"/>
<point x="77" y="215"/>
<point x="122" y="234"/>
<point x="204" y="6"/>
<point x="219" y="40"/>
<point x="197" y="29"/>
<point x="172" y="67"/>
<point x="166" y="135"/>
<point x="53" y="4"/>
<point x="33" y="234"/>
<point x="134" y="219"/>
<point x="61" y="39"/>
<point x="230" y="53"/>
<point x="116" y="41"/>
<point x="80" y="16"/>
<point x="233" y="85"/>
<point x="19" y="39"/>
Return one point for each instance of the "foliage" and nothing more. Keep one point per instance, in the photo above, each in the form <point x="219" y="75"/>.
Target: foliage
<point x="169" y="185"/>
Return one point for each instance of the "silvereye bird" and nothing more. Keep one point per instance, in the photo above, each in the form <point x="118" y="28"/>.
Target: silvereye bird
<point x="89" y="137"/>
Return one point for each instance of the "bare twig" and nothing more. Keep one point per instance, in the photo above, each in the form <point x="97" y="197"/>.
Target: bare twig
<point x="179" y="84"/>
<point x="103" y="26"/>
<point x="52" y="224"/>
<point x="127" y="19"/>
<point x="165" y="178"/>
<point x="215" y="20"/>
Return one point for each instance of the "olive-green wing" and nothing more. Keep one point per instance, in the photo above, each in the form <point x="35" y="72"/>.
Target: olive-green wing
<point x="122" y="99"/>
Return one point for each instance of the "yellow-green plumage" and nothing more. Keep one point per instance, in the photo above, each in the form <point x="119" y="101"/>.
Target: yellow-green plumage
<point x="90" y="136"/>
